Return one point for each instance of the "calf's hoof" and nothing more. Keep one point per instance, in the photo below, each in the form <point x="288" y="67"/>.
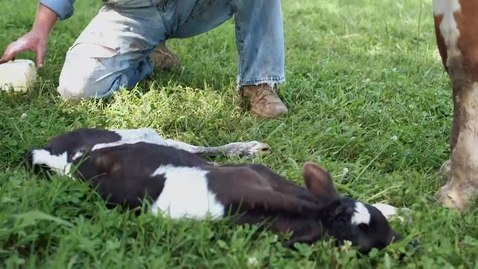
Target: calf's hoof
<point x="247" y="149"/>
<point x="257" y="149"/>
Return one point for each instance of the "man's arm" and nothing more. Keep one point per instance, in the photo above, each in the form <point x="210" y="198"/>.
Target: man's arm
<point x="62" y="8"/>
<point x="48" y="13"/>
<point x="44" y="20"/>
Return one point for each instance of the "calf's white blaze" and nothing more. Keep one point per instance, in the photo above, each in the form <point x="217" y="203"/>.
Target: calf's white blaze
<point x="448" y="27"/>
<point x="186" y="194"/>
<point x="361" y="215"/>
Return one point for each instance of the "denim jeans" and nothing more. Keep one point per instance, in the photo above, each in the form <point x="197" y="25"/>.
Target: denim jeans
<point x="114" y="49"/>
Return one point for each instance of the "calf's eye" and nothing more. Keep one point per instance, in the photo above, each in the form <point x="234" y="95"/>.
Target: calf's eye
<point x="363" y="227"/>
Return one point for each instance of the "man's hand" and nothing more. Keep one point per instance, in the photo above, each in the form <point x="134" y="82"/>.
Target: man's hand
<point x="35" y="40"/>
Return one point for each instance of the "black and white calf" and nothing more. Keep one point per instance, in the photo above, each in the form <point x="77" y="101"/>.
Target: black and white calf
<point x="126" y="166"/>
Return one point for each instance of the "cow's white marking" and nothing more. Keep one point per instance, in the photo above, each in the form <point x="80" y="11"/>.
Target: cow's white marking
<point x="361" y="215"/>
<point x="448" y="27"/>
<point x="186" y="194"/>
<point x="465" y="157"/>
<point x="441" y="7"/>
<point x="58" y="163"/>
<point x="133" y="136"/>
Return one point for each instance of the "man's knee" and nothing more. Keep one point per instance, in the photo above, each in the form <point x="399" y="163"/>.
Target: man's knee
<point x="89" y="71"/>
<point x="86" y="85"/>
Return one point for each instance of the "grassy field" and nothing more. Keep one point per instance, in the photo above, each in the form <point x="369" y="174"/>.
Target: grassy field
<point x="368" y="99"/>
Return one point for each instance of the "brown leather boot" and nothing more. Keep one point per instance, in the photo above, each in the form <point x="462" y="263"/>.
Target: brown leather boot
<point x="164" y="59"/>
<point x="263" y="101"/>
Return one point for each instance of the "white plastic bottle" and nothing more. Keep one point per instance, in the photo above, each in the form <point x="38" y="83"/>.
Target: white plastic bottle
<point x="19" y="75"/>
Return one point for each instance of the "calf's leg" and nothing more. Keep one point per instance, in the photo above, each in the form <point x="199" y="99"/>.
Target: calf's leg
<point x="239" y="149"/>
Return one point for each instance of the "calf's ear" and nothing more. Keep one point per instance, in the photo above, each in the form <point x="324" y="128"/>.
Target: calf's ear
<point x="319" y="182"/>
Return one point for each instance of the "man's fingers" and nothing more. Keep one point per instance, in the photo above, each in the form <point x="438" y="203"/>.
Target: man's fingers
<point x="7" y="55"/>
<point x="40" y="55"/>
<point x="6" y="58"/>
<point x="11" y="51"/>
<point x="21" y="45"/>
<point x="27" y="42"/>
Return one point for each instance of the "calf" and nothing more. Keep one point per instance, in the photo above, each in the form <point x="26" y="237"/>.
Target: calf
<point x="177" y="183"/>
<point x="456" y="29"/>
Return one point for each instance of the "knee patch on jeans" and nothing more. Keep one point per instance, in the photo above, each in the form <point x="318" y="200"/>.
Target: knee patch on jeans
<point x="90" y="70"/>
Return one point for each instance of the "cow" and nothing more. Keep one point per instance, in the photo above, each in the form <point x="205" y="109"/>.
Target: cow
<point x="456" y="30"/>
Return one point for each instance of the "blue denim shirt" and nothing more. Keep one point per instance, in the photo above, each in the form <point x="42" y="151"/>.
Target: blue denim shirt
<point x="63" y="8"/>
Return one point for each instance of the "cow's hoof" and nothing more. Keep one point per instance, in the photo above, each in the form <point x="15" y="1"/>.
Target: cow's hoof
<point x="453" y="197"/>
<point x="445" y="169"/>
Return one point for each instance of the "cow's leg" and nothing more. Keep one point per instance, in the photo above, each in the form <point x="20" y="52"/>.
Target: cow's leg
<point x="455" y="23"/>
<point x="442" y="49"/>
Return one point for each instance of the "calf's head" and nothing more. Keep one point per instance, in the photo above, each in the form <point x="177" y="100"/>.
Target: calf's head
<point x="346" y="219"/>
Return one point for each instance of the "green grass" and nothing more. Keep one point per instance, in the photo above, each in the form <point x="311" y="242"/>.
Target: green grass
<point x="359" y="74"/>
